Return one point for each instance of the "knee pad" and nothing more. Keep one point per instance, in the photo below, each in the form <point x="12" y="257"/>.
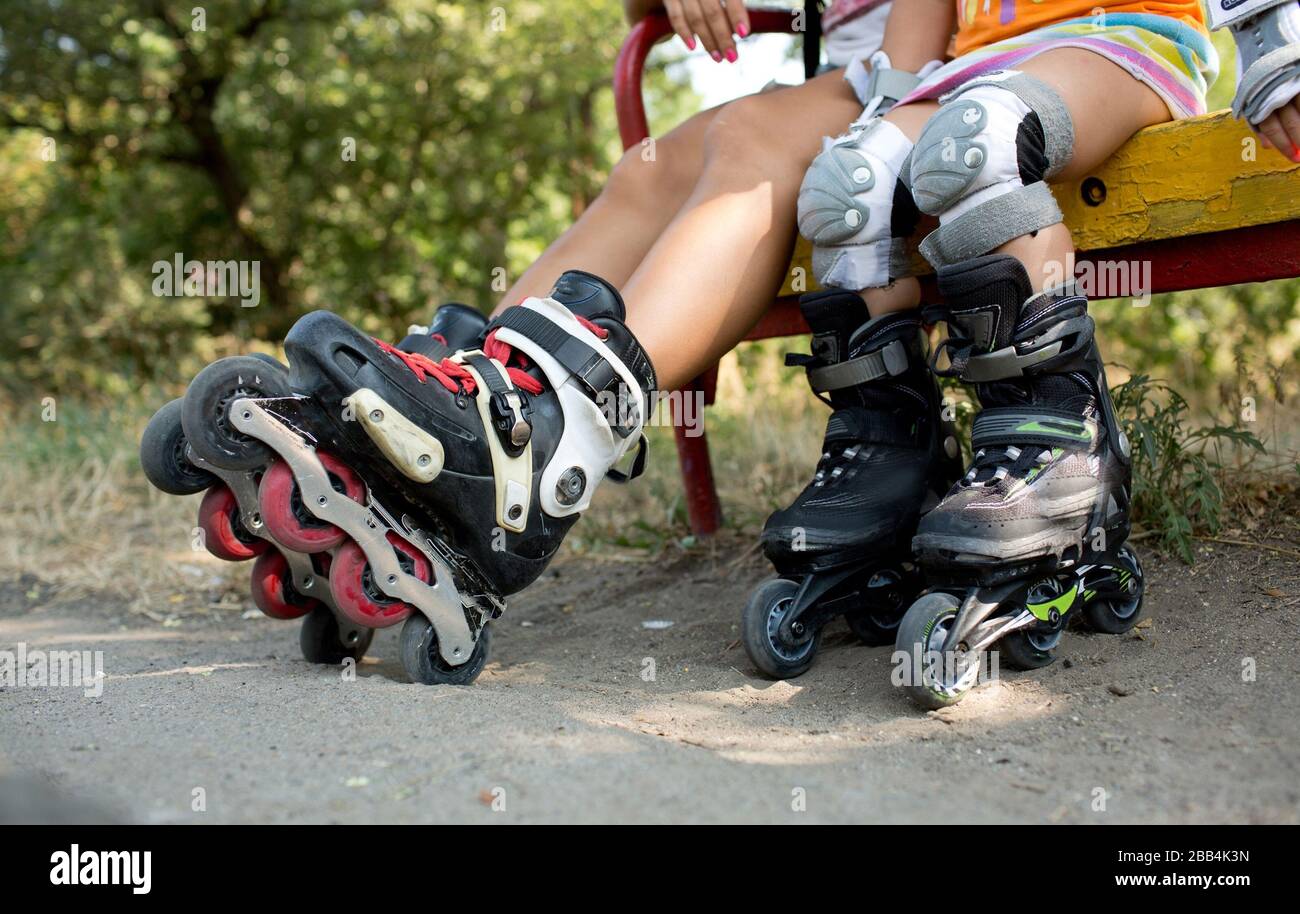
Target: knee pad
<point x="981" y="164"/>
<point x="855" y="208"/>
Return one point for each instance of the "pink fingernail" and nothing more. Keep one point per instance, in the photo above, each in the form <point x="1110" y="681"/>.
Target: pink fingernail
<point x="742" y="30"/>
<point x="690" y="44"/>
<point x="717" y="58"/>
<point x="731" y="55"/>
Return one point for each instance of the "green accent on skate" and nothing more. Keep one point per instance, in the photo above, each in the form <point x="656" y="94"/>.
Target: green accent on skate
<point x="1088" y="595"/>
<point x="1061" y="604"/>
<point x="1069" y="429"/>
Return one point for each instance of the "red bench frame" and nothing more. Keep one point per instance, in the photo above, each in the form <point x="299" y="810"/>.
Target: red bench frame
<point x="1249" y="254"/>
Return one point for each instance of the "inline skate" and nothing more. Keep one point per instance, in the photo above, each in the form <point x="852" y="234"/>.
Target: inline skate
<point x="421" y="492"/>
<point x="843" y="546"/>
<point x="1034" y="534"/>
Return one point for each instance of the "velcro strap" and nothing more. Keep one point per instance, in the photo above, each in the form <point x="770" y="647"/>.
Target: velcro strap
<point x="889" y="360"/>
<point x="858" y="424"/>
<point x="591" y="368"/>
<point x="991" y="224"/>
<point x="595" y="373"/>
<point x="889" y="83"/>
<point x="1258" y="82"/>
<point x="1002" y="426"/>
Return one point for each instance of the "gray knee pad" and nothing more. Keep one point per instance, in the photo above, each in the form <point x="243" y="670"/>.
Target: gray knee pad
<point x="847" y="207"/>
<point x="982" y="161"/>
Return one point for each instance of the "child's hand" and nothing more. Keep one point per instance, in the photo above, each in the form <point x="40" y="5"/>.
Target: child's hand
<point x="714" y="21"/>
<point x="1281" y="130"/>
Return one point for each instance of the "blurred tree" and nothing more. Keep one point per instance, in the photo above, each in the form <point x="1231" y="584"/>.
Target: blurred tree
<point x="373" y="156"/>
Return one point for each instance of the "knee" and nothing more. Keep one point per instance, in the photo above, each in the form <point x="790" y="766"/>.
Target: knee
<point x="855" y="209"/>
<point x="738" y="139"/>
<point x="981" y="162"/>
<point x="653" y="170"/>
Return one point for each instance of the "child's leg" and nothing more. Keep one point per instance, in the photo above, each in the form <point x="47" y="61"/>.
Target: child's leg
<point x="721" y="260"/>
<point x="1049" y="485"/>
<point x="1107" y="106"/>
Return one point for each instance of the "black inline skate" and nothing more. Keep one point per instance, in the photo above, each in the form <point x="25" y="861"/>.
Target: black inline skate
<point x="844" y="546"/>
<point x="418" y="490"/>
<point x="1034" y="534"/>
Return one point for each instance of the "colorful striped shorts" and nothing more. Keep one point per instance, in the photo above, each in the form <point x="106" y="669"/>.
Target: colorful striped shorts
<point x="1177" y="61"/>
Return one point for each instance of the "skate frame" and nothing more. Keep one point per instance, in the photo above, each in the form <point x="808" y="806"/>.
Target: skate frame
<point x="368" y="524"/>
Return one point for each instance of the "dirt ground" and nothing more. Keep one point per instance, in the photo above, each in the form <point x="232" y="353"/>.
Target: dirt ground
<point x="565" y="725"/>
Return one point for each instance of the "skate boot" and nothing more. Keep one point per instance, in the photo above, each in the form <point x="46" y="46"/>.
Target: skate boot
<point x="230" y="524"/>
<point x="844" y="546"/>
<point x="1034" y="533"/>
<point x="454" y="327"/>
<point x="433" y="488"/>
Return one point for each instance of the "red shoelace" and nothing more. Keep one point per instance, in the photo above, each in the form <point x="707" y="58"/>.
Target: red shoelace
<point x="457" y="378"/>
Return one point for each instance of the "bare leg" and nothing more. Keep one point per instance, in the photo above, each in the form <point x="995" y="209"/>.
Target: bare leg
<point x="721" y="260"/>
<point x="639" y="200"/>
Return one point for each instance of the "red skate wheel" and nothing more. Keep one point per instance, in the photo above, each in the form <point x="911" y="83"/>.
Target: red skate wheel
<point x="356" y="593"/>
<point x="287" y="518"/>
<point x="224" y="533"/>
<point x="273" y="590"/>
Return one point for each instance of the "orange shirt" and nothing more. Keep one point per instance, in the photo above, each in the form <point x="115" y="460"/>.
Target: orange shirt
<point x="981" y="22"/>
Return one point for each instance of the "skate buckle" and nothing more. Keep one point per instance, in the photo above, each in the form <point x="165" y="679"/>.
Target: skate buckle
<point x="508" y="410"/>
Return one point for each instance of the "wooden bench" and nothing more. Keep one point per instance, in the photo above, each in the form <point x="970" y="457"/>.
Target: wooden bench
<point x="1200" y="200"/>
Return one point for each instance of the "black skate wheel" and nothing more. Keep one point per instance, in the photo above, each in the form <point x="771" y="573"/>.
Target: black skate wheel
<point x="928" y="679"/>
<point x="273" y="588"/>
<point x="224" y="533"/>
<point x="1029" y="649"/>
<point x="324" y="638"/>
<point x="359" y="597"/>
<point x="205" y="413"/>
<point x="162" y="455"/>
<point x="760" y="632"/>
<point x="886" y="598"/>
<point x="424" y="663"/>
<point x="288" y="520"/>
<point x="1117" y="613"/>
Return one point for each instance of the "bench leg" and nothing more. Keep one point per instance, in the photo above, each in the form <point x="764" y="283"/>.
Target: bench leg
<point x="702" y="506"/>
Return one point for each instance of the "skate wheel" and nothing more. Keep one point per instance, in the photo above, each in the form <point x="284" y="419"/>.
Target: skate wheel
<point x="205" y="412"/>
<point x="1029" y="649"/>
<point x="929" y="679"/>
<point x="289" y="521"/>
<point x="162" y="455"/>
<point x="1117" y="611"/>
<point x="273" y="588"/>
<point x="885" y="598"/>
<point x="760" y="631"/>
<point x="356" y="593"/>
<point x="325" y="638"/>
<point x="224" y="533"/>
<point x="424" y="663"/>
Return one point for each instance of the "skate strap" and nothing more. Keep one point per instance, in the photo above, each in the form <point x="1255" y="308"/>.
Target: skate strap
<point x="595" y="374"/>
<point x="888" y="361"/>
<point x="1015" y="426"/>
<point x="858" y="425"/>
<point x="637" y="468"/>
